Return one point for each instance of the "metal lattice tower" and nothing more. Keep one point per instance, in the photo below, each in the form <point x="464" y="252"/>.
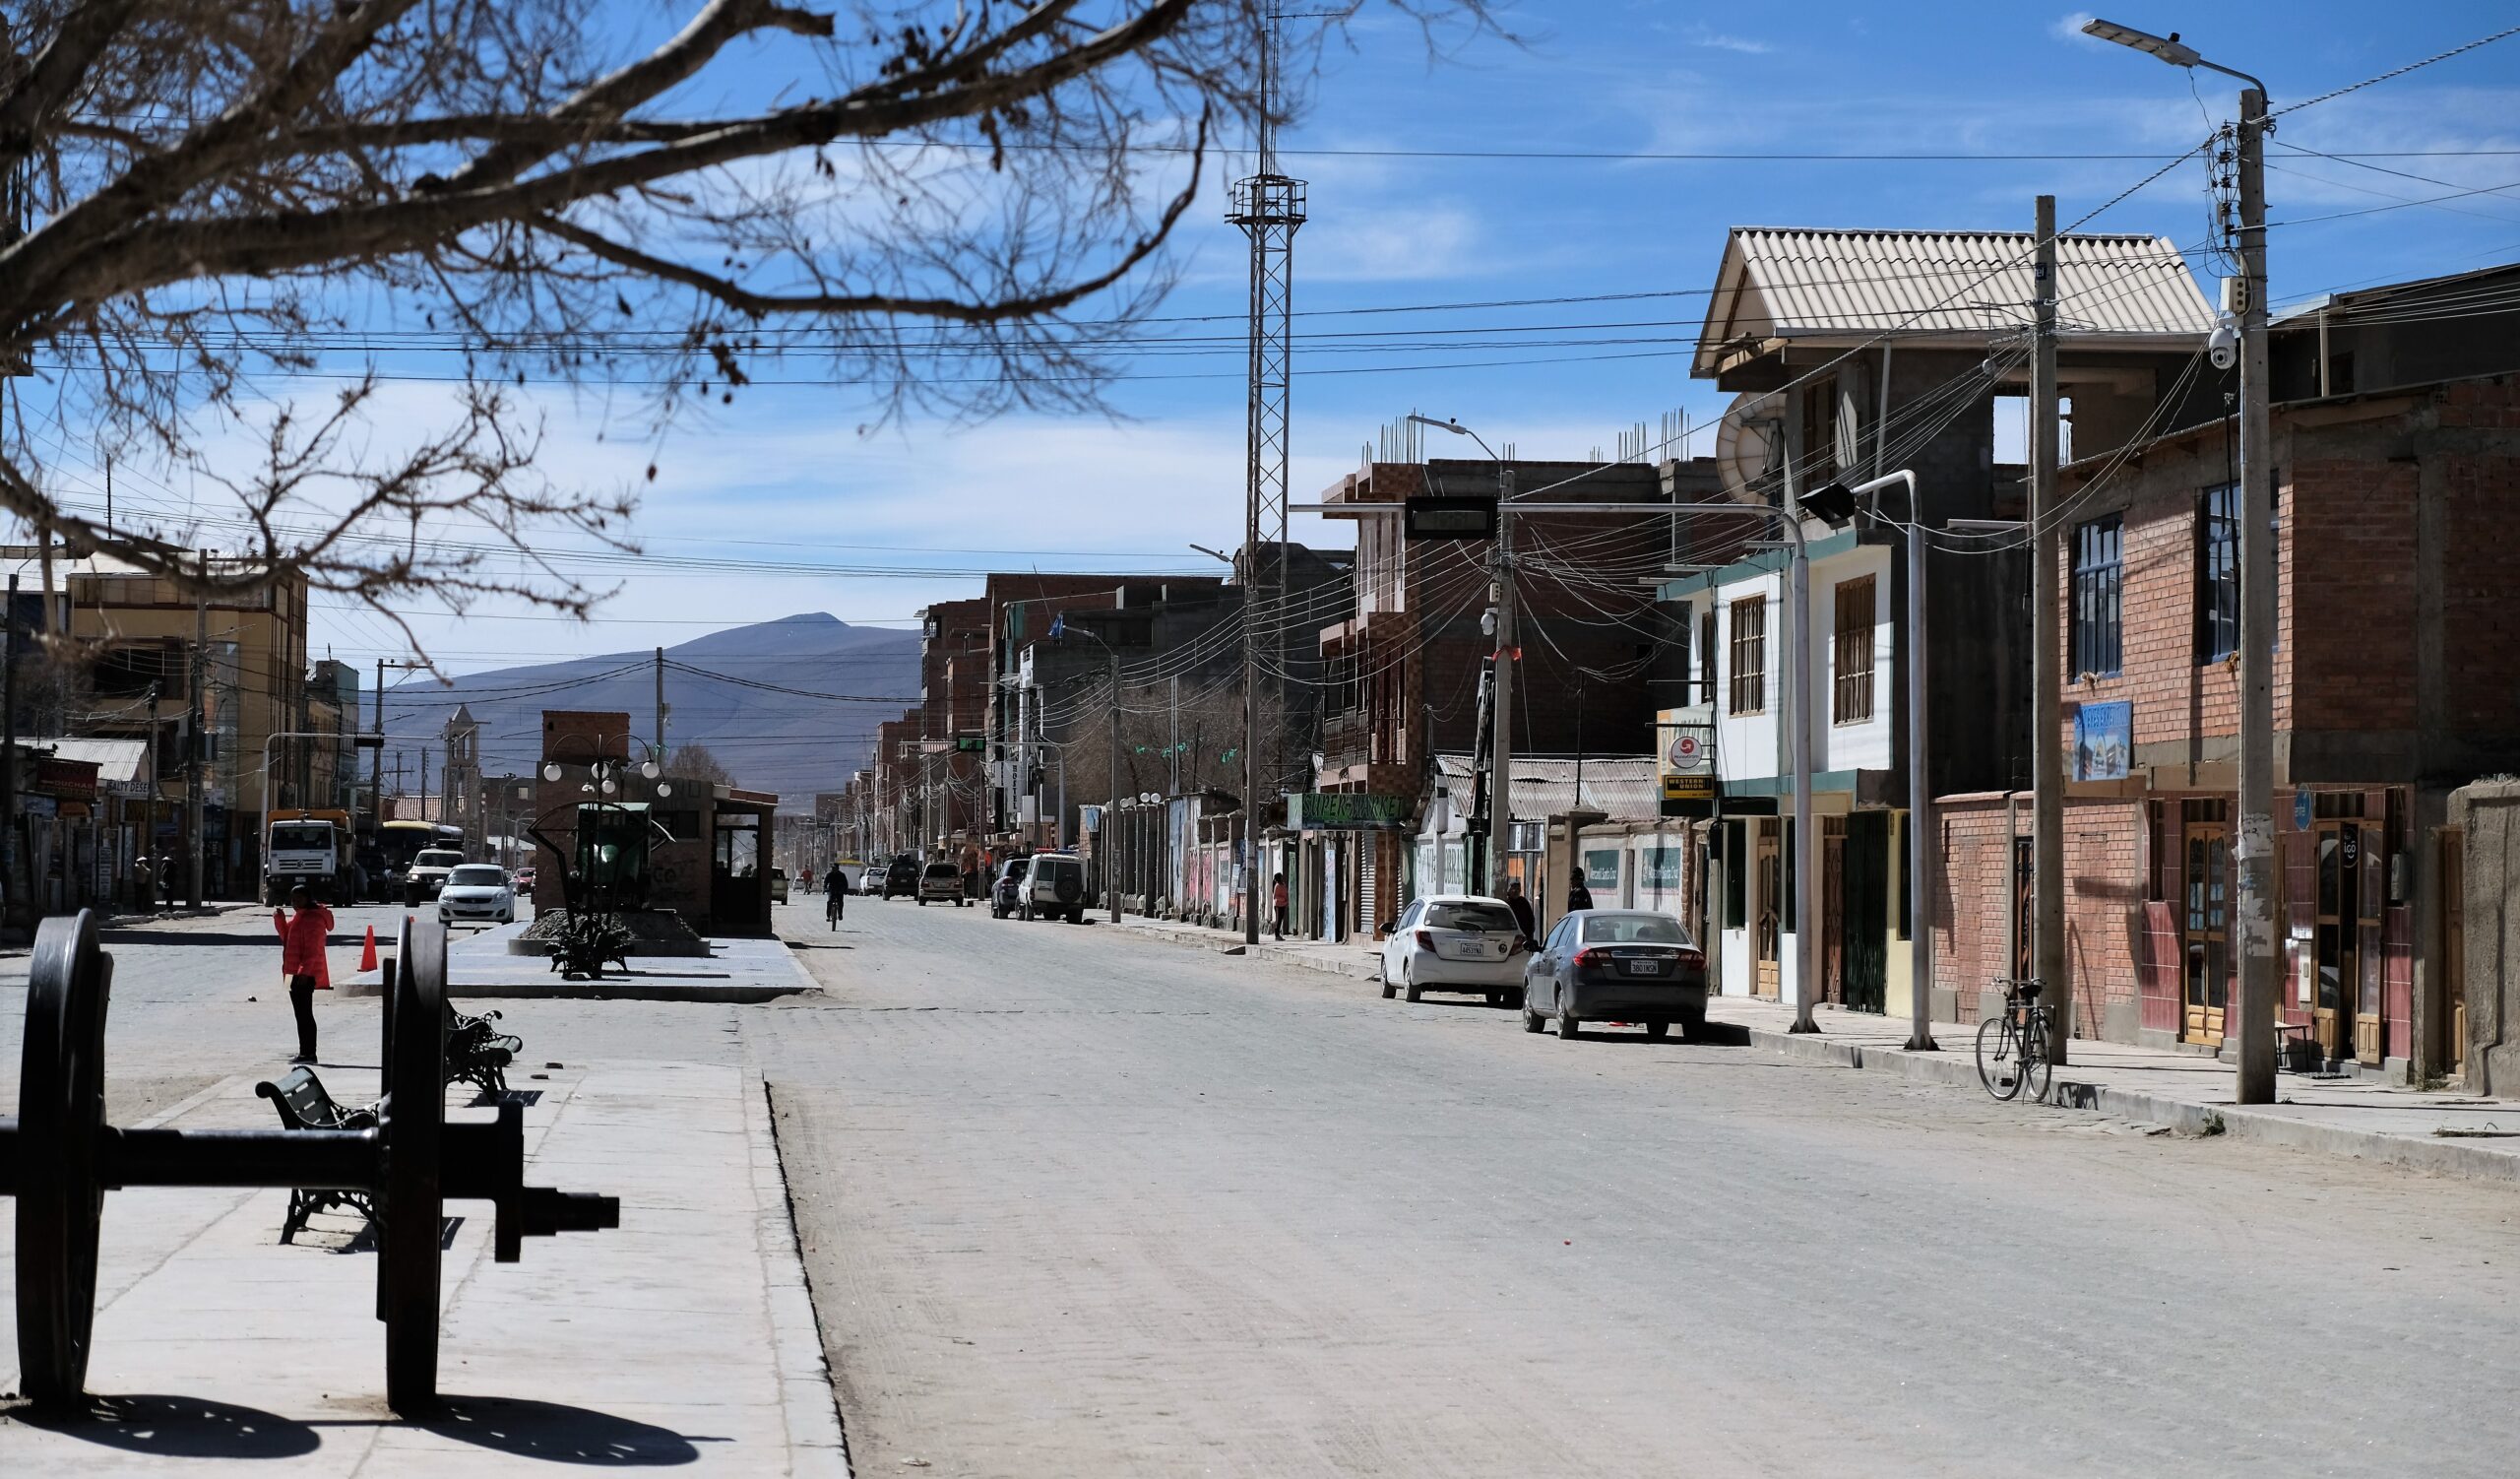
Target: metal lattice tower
<point x="1269" y="207"/>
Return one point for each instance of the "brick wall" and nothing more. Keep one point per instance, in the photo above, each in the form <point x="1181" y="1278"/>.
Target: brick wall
<point x="2105" y="855"/>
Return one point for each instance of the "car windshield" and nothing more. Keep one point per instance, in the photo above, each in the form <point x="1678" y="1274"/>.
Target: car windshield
<point x="1478" y="916"/>
<point x="437" y="859"/>
<point x="1634" y="929"/>
<point x="478" y="876"/>
<point x="943" y="871"/>
<point x="302" y="837"/>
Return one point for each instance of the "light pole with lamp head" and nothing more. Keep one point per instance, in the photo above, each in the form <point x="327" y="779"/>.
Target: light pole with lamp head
<point x="1111" y="810"/>
<point x="2253" y="894"/>
<point x="1500" y="744"/>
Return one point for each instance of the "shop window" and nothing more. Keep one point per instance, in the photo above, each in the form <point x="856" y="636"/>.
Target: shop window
<point x="1853" y="700"/>
<point x="2097" y="595"/>
<point x="1750" y="655"/>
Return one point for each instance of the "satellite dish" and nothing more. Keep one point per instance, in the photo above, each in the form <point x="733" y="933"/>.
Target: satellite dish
<point x="1749" y="448"/>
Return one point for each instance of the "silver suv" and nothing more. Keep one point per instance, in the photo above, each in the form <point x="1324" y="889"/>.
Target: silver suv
<point x="1054" y="887"/>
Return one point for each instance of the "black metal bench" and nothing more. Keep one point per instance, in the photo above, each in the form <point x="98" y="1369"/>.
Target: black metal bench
<point x="304" y="1103"/>
<point x="479" y="1054"/>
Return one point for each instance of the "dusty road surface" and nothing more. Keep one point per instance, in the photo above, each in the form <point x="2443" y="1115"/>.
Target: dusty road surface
<point x="1081" y="1204"/>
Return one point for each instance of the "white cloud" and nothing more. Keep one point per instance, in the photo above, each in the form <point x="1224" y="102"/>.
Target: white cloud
<point x="1715" y="40"/>
<point x="2069" y="27"/>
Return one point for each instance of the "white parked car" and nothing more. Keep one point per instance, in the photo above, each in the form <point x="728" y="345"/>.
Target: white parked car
<point x="477" y="892"/>
<point x="1053" y="888"/>
<point x="1455" y="942"/>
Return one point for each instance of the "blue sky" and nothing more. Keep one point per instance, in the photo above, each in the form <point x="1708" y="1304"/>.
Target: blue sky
<point x="787" y="474"/>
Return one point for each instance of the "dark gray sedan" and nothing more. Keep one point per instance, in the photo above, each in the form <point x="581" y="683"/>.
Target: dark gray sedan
<point x="1616" y="965"/>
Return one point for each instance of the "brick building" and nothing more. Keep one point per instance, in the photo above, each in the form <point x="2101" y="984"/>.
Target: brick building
<point x="2396" y="679"/>
<point x="1855" y="354"/>
<point x="1402" y="665"/>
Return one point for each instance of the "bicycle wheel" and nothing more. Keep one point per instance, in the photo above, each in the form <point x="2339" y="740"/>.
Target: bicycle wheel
<point x="2037" y="1068"/>
<point x="1998" y="1068"/>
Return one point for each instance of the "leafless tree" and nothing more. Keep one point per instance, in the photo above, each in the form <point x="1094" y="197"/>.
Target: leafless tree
<point x="208" y="201"/>
<point x="695" y="762"/>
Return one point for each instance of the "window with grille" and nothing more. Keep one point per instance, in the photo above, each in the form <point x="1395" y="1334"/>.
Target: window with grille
<point x="1750" y="655"/>
<point x="1853" y="700"/>
<point x="2218" y="573"/>
<point x="2099" y="628"/>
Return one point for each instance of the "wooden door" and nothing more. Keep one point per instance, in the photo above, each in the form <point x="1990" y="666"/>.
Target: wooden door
<point x="2338" y="981"/>
<point x="1767" y="918"/>
<point x="1833" y="910"/>
<point x="2371" y="895"/>
<point x="2205" y="930"/>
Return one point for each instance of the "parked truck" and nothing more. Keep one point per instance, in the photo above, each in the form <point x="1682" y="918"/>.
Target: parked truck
<point x="312" y="848"/>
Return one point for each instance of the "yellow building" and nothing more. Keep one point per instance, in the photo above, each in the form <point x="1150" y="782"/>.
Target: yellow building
<point x="128" y="669"/>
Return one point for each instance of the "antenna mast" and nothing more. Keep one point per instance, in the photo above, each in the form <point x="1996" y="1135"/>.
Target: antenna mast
<point x="1269" y="207"/>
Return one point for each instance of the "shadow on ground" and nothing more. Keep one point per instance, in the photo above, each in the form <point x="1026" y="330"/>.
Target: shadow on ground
<point x="180" y="1427"/>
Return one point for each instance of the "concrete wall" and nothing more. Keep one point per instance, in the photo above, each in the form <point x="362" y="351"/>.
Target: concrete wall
<point x="2489" y="812"/>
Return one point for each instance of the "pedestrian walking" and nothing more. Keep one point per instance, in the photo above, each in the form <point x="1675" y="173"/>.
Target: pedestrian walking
<point x="144" y="884"/>
<point x="166" y="870"/>
<point x="1578" y="897"/>
<point x="303" y="935"/>
<point x="1524" y="920"/>
<point x="1278" y="904"/>
<point x="805" y="879"/>
<point x="971" y="872"/>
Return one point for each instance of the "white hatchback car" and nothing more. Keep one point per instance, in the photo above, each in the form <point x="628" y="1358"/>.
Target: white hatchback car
<point x="478" y="891"/>
<point x="1455" y="942"/>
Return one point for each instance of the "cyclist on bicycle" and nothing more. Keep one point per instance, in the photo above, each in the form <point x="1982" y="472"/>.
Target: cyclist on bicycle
<point x="835" y="897"/>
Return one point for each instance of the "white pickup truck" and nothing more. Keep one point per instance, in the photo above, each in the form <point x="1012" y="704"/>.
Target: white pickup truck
<point x="428" y="874"/>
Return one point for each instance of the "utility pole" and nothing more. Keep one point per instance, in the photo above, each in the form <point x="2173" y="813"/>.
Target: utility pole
<point x="2046" y="668"/>
<point x="199" y="736"/>
<point x="9" y="743"/>
<point x="2254" y="848"/>
<point x="1501" y="749"/>
<point x="661" y="705"/>
<point x="1173" y="768"/>
<point x="1111" y="811"/>
<point x="2256" y="853"/>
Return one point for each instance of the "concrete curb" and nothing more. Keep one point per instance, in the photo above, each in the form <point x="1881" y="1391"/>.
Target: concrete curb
<point x="1955" y="1066"/>
<point x="1959" y="1070"/>
<point x="816" y="1443"/>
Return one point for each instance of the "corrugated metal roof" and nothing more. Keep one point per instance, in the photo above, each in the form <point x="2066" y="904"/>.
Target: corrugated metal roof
<point x="1782" y="283"/>
<point x="1624" y="788"/>
<point x="114" y="759"/>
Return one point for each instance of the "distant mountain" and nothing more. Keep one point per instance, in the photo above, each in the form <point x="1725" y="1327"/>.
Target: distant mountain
<point x="794" y="742"/>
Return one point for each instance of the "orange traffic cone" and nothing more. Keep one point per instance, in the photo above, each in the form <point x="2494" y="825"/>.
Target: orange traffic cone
<point x="367" y="956"/>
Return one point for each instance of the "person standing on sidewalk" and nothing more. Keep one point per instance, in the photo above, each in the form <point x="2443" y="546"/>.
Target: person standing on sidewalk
<point x="144" y="886"/>
<point x="303" y="936"/>
<point x="1277" y="903"/>
<point x="1524" y="920"/>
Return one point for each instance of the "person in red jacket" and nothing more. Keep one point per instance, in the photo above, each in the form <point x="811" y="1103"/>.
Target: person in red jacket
<point x="301" y="959"/>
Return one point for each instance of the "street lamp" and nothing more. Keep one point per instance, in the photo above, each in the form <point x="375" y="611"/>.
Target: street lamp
<point x="1110" y="872"/>
<point x="2254" y="852"/>
<point x="1498" y="797"/>
<point x="1215" y="554"/>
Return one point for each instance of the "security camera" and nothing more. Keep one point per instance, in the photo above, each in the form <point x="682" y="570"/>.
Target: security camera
<point x="2222" y="345"/>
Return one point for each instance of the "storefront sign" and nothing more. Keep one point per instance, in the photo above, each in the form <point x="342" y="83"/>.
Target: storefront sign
<point x="1661" y="869"/>
<point x="2104" y="741"/>
<point x="1685" y="757"/>
<point x="66" y="780"/>
<point x="130" y="791"/>
<point x="1345" y="811"/>
<point x="1600" y="869"/>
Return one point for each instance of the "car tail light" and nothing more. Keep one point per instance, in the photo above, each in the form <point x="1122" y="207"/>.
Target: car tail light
<point x="1587" y="958"/>
<point x="1425" y="938"/>
<point x="1691" y="959"/>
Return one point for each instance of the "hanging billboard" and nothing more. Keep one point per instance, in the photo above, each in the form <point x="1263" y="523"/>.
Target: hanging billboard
<point x="1684" y="752"/>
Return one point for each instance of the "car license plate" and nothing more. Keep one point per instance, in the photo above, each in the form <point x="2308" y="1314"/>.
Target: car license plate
<point x="1645" y="968"/>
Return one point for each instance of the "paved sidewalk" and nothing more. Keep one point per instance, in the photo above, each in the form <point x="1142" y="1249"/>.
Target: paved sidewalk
<point x="738" y="970"/>
<point x="683" y="1337"/>
<point x="2452" y="1133"/>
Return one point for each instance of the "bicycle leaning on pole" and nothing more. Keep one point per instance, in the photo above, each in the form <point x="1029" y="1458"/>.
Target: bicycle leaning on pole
<point x="2012" y="1044"/>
